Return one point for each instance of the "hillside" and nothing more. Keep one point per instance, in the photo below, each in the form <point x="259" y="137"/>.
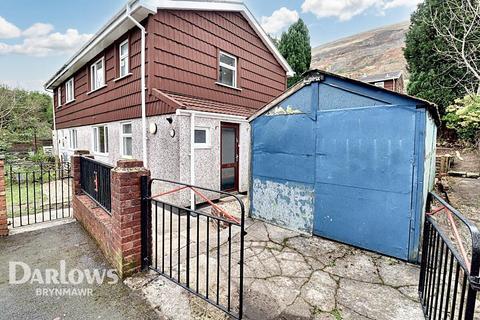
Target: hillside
<point x="375" y="51"/>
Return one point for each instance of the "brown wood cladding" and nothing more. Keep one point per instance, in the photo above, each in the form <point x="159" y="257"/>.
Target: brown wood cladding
<point x="182" y="52"/>
<point x="186" y="46"/>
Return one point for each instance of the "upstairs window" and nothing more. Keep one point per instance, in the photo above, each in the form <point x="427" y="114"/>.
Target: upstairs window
<point x="227" y="70"/>
<point x="100" y="139"/>
<point x="73" y="139"/>
<point x="127" y="139"/>
<point x="69" y="91"/>
<point x="123" y="54"/>
<point x="97" y="73"/>
<point x="59" y="97"/>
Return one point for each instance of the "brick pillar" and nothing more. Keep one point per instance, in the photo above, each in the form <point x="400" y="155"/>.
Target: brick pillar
<point x="126" y="215"/>
<point x="3" y="200"/>
<point x="75" y="163"/>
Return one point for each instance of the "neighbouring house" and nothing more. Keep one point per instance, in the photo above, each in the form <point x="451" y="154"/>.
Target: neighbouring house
<point x="345" y="160"/>
<point x="208" y="65"/>
<point x="391" y="80"/>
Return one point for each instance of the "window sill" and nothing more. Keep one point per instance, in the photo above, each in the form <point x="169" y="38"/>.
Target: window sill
<point x="202" y="147"/>
<point x="123" y="77"/>
<point x="99" y="88"/>
<point x="100" y="154"/>
<point x="71" y="101"/>
<point x="227" y="86"/>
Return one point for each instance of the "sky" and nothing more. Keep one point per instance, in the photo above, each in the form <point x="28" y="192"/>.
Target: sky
<point x="38" y="36"/>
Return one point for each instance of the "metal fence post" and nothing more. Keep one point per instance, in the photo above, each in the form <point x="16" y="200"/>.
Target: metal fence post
<point x="146" y="221"/>
<point x="3" y="200"/>
<point x="474" y="286"/>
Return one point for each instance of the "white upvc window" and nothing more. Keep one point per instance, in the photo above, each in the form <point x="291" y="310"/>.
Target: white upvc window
<point x="97" y="73"/>
<point x="126" y="140"/>
<point x="69" y="91"/>
<point x="201" y="138"/>
<point x="59" y="97"/>
<point x="380" y="84"/>
<point x="100" y="139"/>
<point x="227" y="70"/>
<point x="124" y="63"/>
<point x="73" y="139"/>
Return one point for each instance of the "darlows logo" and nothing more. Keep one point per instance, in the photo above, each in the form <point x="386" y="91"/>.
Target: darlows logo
<point x="22" y="273"/>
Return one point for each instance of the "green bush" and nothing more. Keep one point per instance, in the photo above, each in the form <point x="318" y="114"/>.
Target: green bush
<point x="464" y="117"/>
<point x="40" y="156"/>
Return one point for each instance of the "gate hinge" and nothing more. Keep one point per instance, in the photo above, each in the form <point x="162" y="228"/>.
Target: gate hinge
<point x="475" y="283"/>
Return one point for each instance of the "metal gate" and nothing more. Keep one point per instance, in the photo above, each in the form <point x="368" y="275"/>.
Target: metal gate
<point x="201" y="250"/>
<point x="449" y="274"/>
<point x="37" y="192"/>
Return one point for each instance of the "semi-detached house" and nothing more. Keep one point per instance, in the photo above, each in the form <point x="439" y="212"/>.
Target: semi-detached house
<point x="206" y="66"/>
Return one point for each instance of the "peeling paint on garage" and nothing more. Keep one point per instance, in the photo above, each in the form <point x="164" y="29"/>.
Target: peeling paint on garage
<point x="351" y="156"/>
<point x="286" y="204"/>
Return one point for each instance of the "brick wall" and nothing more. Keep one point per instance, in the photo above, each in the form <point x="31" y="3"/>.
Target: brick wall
<point x="3" y="201"/>
<point x="117" y="234"/>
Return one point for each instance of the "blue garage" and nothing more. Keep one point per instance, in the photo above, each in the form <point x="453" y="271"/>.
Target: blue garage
<point x="345" y="160"/>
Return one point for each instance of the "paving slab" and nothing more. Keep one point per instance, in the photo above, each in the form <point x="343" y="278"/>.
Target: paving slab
<point x="293" y="276"/>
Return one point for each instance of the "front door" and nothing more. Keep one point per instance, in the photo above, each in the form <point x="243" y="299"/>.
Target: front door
<point x="229" y="157"/>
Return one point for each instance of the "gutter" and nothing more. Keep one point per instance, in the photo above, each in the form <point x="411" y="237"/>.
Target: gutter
<point x="142" y="87"/>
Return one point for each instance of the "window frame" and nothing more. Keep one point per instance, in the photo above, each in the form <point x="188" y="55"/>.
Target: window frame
<point x="93" y="74"/>
<point x="124" y="57"/>
<point x="59" y="96"/>
<point x="96" y="139"/>
<point x="207" y="144"/>
<point x="70" y="82"/>
<point x="125" y="135"/>
<point x="224" y="65"/>
<point x="72" y="133"/>
<point x="379" y="84"/>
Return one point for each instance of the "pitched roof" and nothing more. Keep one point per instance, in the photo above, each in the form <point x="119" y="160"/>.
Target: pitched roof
<point x="197" y="104"/>
<point x="316" y="75"/>
<point x="140" y="9"/>
<point x="381" y="76"/>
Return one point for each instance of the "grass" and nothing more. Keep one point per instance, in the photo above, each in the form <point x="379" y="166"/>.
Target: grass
<point x="17" y="195"/>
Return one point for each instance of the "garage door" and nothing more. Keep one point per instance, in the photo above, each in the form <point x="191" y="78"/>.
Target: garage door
<point x="364" y="173"/>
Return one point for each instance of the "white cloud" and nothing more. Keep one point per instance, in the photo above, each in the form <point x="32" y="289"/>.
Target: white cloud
<point x="8" y="30"/>
<point x="40" y="42"/>
<point x="401" y="3"/>
<point x="346" y="9"/>
<point x="37" y="30"/>
<point x="279" y="20"/>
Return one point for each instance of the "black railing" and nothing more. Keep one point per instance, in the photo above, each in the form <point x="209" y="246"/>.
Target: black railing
<point x="37" y="192"/>
<point x="449" y="270"/>
<point x="200" y="251"/>
<point x="95" y="181"/>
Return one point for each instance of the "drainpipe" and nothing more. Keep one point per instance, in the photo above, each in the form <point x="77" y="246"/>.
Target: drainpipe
<point x="54" y="123"/>
<point x="142" y="87"/>
<point x="192" y="159"/>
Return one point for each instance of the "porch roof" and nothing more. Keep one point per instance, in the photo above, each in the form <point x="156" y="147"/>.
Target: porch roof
<point x="198" y="104"/>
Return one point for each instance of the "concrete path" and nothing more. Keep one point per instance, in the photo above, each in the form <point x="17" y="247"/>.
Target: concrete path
<point x="292" y="276"/>
<point x="44" y="249"/>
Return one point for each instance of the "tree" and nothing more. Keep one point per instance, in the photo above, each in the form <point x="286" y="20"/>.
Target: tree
<point x="23" y="116"/>
<point x="435" y="73"/>
<point x="295" y="47"/>
<point x="464" y="117"/>
<point x="461" y="36"/>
